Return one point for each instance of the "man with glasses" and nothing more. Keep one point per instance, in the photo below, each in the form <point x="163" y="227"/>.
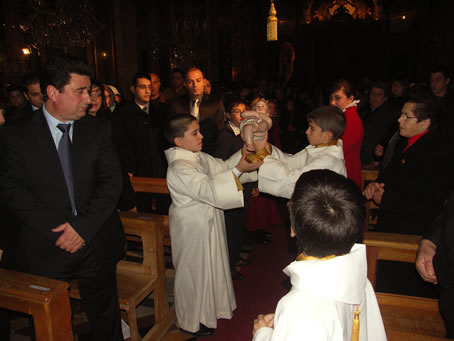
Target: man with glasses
<point x="411" y="190"/>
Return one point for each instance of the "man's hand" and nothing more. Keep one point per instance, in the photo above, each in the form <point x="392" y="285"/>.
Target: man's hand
<point x="424" y="261"/>
<point x="69" y="240"/>
<point x="375" y="192"/>
<point x="379" y="149"/>
<point x="263" y="321"/>
<point x="2" y="117"/>
<point x="243" y="166"/>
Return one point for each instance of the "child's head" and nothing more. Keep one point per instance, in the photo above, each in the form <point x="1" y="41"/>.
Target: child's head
<point x="234" y="106"/>
<point x="342" y="94"/>
<point x="327" y="213"/>
<point x="260" y="105"/>
<point x="182" y="130"/>
<point x="326" y="124"/>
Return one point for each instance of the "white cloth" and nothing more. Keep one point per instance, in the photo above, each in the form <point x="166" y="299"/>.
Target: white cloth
<point x="201" y="187"/>
<point x="280" y="171"/>
<point x="322" y="302"/>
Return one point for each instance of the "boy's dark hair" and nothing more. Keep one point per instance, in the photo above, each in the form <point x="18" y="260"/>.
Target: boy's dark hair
<point x="178" y="70"/>
<point x="177" y="125"/>
<point x="442" y="69"/>
<point x="380" y="85"/>
<point x="230" y="100"/>
<point x="30" y="78"/>
<point x="329" y="118"/>
<point x="327" y="213"/>
<point x="57" y="71"/>
<point x="15" y="87"/>
<point x="137" y="76"/>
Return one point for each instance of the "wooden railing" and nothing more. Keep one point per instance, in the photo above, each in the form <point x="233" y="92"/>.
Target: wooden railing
<point x="405" y="317"/>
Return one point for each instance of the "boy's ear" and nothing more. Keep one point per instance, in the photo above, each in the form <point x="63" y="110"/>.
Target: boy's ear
<point x="329" y="136"/>
<point x="292" y="232"/>
<point x="178" y="141"/>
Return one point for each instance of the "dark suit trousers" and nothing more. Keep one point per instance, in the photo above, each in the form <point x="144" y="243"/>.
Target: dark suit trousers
<point x="95" y="274"/>
<point x="446" y="306"/>
<point x="235" y="228"/>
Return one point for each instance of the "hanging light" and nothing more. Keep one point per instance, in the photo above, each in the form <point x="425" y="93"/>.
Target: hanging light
<point x="271" y="24"/>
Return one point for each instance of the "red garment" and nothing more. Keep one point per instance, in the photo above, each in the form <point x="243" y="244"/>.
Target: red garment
<point x="352" y="140"/>
<point x="262" y="213"/>
<point x="413" y="139"/>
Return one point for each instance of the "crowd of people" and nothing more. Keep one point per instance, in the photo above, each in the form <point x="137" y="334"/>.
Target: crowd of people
<point x="208" y="140"/>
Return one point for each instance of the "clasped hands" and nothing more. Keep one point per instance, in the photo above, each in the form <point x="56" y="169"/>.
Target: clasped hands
<point x="375" y="192"/>
<point x="263" y="321"/>
<point x="69" y="240"/>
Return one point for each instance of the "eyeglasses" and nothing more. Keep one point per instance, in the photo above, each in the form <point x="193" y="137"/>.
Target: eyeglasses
<point x="405" y="115"/>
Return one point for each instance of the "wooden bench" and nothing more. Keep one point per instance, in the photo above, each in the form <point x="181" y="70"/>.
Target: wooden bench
<point x="136" y="281"/>
<point x="47" y="300"/>
<point x="154" y="185"/>
<point x="368" y="176"/>
<point x="405" y="317"/>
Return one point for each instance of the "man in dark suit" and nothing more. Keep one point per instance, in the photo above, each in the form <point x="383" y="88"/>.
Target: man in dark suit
<point x="60" y="180"/>
<point x="138" y="134"/>
<point x="435" y="261"/>
<point x="33" y="91"/>
<point x="377" y="122"/>
<point x="208" y="109"/>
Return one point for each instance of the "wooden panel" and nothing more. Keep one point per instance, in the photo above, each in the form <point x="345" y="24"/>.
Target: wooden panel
<point x="416" y="315"/>
<point x="392" y="240"/>
<point x="398" y="335"/>
<point x="149" y="185"/>
<point x="45" y="299"/>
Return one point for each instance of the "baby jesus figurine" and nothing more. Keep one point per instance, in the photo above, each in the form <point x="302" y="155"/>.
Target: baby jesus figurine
<point x="255" y="126"/>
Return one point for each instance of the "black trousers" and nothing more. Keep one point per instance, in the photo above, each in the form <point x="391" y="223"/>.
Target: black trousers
<point x="96" y="276"/>
<point x="235" y="228"/>
<point x="446" y="306"/>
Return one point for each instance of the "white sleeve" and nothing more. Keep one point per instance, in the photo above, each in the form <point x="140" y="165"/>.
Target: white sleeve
<point x="219" y="190"/>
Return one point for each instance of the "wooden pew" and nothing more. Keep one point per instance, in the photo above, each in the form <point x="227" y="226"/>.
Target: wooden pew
<point x="154" y="185"/>
<point x="136" y="281"/>
<point x="47" y="300"/>
<point x="369" y="176"/>
<point x="405" y="317"/>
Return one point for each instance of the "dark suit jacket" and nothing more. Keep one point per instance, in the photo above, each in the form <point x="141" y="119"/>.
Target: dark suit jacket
<point x="210" y="107"/>
<point x="33" y="188"/>
<point x="18" y="113"/>
<point x="376" y="125"/>
<point x="139" y="140"/>
<point x="416" y="184"/>
<point x="441" y="233"/>
<point x="211" y="117"/>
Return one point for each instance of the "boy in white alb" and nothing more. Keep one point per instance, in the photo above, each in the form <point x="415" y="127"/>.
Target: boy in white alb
<point x="278" y="174"/>
<point x="329" y="276"/>
<point x="201" y="187"/>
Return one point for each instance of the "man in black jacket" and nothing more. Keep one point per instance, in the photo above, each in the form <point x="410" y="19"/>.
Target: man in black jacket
<point x="435" y="261"/>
